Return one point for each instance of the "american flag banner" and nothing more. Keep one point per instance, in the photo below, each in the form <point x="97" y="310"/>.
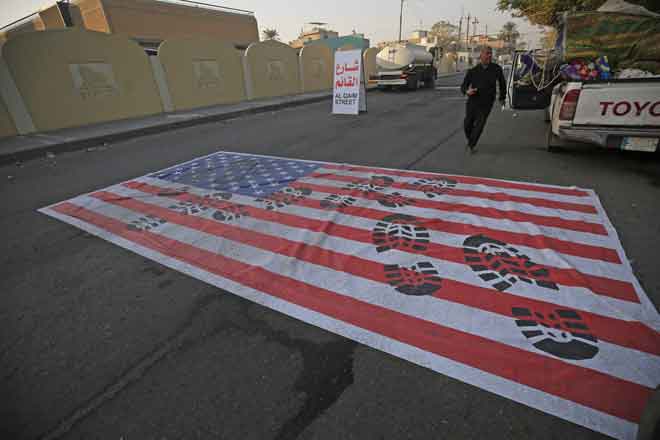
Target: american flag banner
<point x="521" y="289"/>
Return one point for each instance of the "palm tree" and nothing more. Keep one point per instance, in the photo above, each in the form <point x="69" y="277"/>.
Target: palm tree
<point x="270" y="34"/>
<point x="509" y="34"/>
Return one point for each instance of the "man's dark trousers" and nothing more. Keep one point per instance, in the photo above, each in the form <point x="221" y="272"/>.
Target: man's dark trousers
<point x="476" y="115"/>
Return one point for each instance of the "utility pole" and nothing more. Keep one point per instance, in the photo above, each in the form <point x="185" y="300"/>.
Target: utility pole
<point x="401" y="21"/>
<point x="474" y="28"/>
<point x="467" y="33"/>
<point x="460" y="31"/>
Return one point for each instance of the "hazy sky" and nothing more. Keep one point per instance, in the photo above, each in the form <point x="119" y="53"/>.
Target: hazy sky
<point x="378" y="19"/>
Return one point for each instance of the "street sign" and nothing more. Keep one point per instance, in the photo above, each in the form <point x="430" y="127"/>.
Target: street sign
<point x="349" y="91"/>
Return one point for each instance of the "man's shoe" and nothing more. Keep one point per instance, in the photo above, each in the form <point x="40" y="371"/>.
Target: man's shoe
<point x="474" y="149"/>
<point x="468" y="148"/>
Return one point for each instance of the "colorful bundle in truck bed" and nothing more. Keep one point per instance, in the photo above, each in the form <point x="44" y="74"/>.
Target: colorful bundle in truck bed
<point x="628" y="41"/>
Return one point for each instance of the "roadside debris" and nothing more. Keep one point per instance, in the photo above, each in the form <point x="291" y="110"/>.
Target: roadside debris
<point x="635" y="73"/>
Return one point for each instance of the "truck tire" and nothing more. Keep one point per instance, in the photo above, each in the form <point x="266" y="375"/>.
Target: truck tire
<point x="413" y="82"/>
<point x="553" y="142"/>
<point x="429" y="81"/>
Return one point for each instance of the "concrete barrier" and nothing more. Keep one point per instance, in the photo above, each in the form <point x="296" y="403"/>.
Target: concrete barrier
<point x="7" y="127"/>
<point x="73" y="77"/>
<point x="316" y="68"/>
<point x="271" y="69"/>
<point x="202" y="72"/>
<point x="370" y="65"/>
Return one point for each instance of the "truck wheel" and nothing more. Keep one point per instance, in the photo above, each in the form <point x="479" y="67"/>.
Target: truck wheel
<point x="413" y="82"/>
<point x="553" y="142"/>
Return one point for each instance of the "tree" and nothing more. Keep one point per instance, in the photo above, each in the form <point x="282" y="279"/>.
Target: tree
<point x="549" y="38"/>
<point x="270" y="34"/>
<point x="509" y="34"/>
<point x="444" y="32"/>
<point x="544" y="12"/>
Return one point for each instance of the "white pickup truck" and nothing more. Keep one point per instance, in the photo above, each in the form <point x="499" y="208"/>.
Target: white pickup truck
<point x="617" y="114"/>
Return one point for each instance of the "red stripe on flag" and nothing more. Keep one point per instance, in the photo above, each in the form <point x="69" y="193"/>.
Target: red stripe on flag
<point x="624" y="333"/>
<point x="497" y="197"/>
<point x="590" y="388"/>
<point x="463" y="179"/>
<point x="498" y="214"/>
<point x="533" y="241"/>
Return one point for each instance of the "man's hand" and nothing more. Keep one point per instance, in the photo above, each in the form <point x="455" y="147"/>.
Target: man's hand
<point x="471" y="91"/>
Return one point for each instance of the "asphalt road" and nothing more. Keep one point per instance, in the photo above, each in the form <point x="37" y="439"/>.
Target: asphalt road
<point x="99" y="343"/>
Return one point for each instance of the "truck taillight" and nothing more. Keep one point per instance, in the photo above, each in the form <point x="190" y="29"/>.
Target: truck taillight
<point x="569" y="106"/>
<point x="404" y="76"/>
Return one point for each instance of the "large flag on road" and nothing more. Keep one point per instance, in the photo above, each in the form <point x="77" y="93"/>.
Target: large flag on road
<point x="521" y="289"/>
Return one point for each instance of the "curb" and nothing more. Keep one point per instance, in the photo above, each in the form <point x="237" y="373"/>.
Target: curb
<point x="79" y="144"/>
<point x="444" y="75"/>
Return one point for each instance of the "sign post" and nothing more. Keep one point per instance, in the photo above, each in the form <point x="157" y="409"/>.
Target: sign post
<point x="349" y="91"/>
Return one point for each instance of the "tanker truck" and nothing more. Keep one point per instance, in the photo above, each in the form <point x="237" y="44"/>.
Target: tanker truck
<point x="404" y="65"/>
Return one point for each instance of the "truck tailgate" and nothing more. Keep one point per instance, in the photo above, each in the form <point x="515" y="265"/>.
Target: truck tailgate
<point x="619" y="103"/>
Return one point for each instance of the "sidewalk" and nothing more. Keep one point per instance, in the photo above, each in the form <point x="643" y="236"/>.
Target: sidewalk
<point x="22" y="148"/>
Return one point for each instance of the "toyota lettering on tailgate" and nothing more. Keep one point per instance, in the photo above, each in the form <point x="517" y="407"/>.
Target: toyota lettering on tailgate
<point x="630" y="108"/>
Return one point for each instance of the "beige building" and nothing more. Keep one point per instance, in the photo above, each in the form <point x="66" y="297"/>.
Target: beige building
<point x="316" y="33"/>
<point x="149" y="22"/>
<point x="485" y="40"/>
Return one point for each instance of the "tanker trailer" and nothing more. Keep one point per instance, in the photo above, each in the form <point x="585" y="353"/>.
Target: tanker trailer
<point x="404" y="65"/>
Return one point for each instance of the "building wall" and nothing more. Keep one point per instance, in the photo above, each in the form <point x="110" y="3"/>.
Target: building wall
<point x="316" y="67"/>
<point x="75" y="78"/>
<point x="90" y="15"/>
<point x="202" y="72"/>
<point x="158" y="21"/>
<point x="272" y="70"/>
<point x="307" y="37"/>
<point x="7" y="127"/>
<point x="51" y="18"/>
<point x="347" y="42"/>
<point x="32" y="25"/>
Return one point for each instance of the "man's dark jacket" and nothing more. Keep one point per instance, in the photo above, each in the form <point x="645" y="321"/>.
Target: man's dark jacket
<point x="485" y="79"/>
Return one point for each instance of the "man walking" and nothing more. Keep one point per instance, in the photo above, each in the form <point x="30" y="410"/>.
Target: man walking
<point x="480" y="84"/>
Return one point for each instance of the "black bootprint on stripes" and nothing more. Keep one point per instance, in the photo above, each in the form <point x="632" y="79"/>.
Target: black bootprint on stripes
<point x="563" y="333"/>
<point x="434" y="187"/>
<point x="189" y="208"/>
<point x="146" y="223"/>
<point x="287" y="196"/>
<point x="400" y="231"/>
<point x="502" y="265"/>
<point x="375" y="184"/>
<point x="230" y="213"/>
<point x="334" y="201"/>
<point x="394" y="200"/>
<point x="419" y="280"/>
<point x="222" y="196"/>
